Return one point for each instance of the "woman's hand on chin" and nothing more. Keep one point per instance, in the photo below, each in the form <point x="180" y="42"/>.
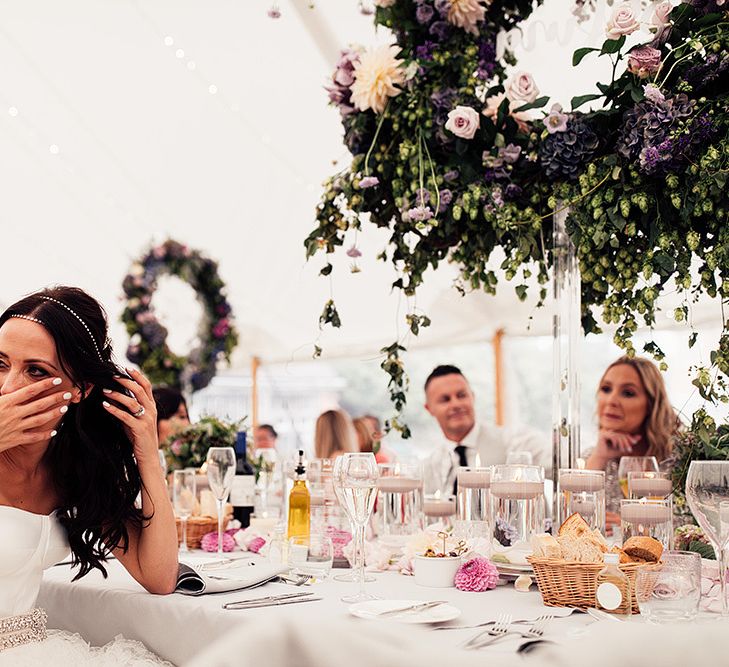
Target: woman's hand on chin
<point x="614" y="444"/>
<point x="142" y="428"/>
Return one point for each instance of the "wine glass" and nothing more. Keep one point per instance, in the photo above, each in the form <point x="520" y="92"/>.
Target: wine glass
<point x="634" y="464"/>
<point x="355" y="478"/>
<point x="221" y="470"/>
<point x="312" y="556"/>
<point x="183" y="500"/>
<point x="707" y="493"/>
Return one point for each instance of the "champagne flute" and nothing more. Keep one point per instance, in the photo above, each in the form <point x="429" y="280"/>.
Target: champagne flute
<point x="707" y="493"/>
<point x="221" y="470"/>
<point x="355" y="476"/>
<point x="634" y="464"/>
<point x="183" y="500"/>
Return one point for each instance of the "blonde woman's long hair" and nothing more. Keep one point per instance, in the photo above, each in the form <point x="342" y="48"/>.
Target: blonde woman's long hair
<point x="661" y="423"/>
<point x="334" y="434"/>
<point x="364" y="434"/>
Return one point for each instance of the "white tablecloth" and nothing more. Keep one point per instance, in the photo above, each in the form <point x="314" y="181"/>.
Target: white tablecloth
<point x="178" y="628"/>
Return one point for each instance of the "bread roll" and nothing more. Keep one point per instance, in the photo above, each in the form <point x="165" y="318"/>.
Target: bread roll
<point x="545" y="546"/>
<point x="643" y="548"/>
<point x="574" y="526"/>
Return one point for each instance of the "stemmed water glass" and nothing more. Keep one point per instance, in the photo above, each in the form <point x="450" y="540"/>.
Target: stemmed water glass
<point x="221" y="470"/>
<point x="183" y="500"/>
<point x="355" y="480"/>
<point x="707" y="493"/>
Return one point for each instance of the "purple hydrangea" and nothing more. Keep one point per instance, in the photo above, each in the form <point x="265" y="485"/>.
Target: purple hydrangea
<point x="564" y="154"/>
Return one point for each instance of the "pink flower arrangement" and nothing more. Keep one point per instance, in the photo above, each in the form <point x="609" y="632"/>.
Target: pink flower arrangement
<point x="256" y="544"/>
<point x="476" y="575"/>
<point x="209" y="542"/>
<point x="340" y="539"/>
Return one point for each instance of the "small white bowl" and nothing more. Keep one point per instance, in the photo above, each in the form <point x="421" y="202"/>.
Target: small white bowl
<point x="436" y="572"/>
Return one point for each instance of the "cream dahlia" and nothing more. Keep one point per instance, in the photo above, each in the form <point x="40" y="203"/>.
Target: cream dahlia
<point x="375" y="77"/>
<point x="467" y="13"/>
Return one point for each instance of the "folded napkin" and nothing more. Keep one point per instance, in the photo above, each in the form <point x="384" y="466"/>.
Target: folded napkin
<point x="191" y="582"/>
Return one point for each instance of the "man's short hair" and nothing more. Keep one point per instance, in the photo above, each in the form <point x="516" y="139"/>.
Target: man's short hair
<point x="270" y="429"/>
<point x="440" y="371"/>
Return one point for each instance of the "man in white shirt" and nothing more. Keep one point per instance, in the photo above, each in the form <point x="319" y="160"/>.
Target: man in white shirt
<point x="449" y="398"/>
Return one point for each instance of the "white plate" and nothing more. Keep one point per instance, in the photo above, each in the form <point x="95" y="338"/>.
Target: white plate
<point x="371" y="608"/>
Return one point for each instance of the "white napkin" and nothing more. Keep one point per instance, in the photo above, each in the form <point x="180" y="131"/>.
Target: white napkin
<point x="191" y="582"/>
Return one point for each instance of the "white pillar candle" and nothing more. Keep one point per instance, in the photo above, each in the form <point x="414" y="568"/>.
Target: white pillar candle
<point x="644" y="487"/>
<point x="208" y="504"/>
<point x="649" y="514"/>
<point x="439" y="506"/>
<point x="399" y="484"/>
<point x="581" y="481"/>
<point x="516" y="490"/>
<point x="474" y="479"/>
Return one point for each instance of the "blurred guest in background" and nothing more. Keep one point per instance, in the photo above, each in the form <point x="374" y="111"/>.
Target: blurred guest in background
<point x="449" y="398"/>
<point x="264" y="437"/>
<point x="635" y="418"/>
<point x="334" y="435"/>
<point x="172" y="415"/>
<point x="369" y="439"/>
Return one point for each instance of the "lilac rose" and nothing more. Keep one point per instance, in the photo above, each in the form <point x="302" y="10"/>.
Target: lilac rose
<point x="622" y="22"/>
<point x="644" y="61"/>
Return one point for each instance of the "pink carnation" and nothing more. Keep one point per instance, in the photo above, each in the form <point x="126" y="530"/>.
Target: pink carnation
<point x="209" y="542"/>
<point x="340" y="539"/>
<point x="477" y="574"/>
<point x="255" y="544"/>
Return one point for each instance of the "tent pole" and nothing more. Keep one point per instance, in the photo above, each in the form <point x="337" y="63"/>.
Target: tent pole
<point x="255" y="363"/>
<point x="499" y="376"/>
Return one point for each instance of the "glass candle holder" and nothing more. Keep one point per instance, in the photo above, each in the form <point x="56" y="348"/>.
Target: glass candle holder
<point x="583" y="492"/>
<point x="437" y="509"/>
<point x="400" y="499"/>
<point x="651" y="485"/>
<point x="517" y="509"/>
<point x="651" y="518"/>
<point x="473" y="501"/>
<point x="670" y="591"/>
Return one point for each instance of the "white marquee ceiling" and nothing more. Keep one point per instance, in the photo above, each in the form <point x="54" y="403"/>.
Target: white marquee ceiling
<point x="127" y="121"/>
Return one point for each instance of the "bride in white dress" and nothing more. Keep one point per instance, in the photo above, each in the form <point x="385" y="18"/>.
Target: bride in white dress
<point x="78" y="444"/>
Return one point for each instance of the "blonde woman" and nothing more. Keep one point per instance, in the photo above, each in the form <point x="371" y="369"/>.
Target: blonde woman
<point x="635" y="418"/>
<point x="334" y="435"/>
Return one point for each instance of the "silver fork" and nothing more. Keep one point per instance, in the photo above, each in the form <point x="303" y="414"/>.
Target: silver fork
<point x="534" y="631"/>
<point x="499" y="629"/>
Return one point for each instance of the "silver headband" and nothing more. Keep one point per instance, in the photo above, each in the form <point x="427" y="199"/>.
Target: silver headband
<point x="74" y="313"/>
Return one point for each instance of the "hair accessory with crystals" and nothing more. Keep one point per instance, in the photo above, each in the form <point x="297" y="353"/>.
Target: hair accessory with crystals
<point x="77" y="316"/>
<point x="30" y="318"/>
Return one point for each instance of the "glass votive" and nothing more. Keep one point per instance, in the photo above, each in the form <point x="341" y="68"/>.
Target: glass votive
<point x="670" y="590"/>
<point x="400" y="499"/>
<point x="473" y="501"/>
<point x="439" y="510"/>
<point x="312" y="556"/>
<point x="651" y="485"/>
<point x="517" y="509"/>
<point x="583" y="492"/>
<point x="651" y="518"/>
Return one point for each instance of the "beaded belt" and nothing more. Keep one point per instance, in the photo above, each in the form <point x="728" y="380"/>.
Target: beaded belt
<point x="23" y="628"/>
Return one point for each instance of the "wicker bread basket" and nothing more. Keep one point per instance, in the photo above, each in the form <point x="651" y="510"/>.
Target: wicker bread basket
<point x="565" y="584"/>
<point x="197" y="526"/>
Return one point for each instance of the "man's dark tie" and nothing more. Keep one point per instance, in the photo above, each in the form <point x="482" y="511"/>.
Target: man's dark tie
<point x="462" y="461"/>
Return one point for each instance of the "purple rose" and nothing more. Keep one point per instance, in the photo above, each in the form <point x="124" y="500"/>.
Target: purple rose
<point x="644" y="61"/>
<point x="424" y="13"/>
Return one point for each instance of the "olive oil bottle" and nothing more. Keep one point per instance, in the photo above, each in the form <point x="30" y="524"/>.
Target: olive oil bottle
<point x="299" y="503"/>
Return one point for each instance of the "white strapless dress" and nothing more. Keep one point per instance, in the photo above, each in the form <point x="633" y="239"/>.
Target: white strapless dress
<point x="31" y="543"/>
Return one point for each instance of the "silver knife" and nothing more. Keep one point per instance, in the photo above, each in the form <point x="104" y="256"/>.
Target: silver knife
<point x="268" y="603"/>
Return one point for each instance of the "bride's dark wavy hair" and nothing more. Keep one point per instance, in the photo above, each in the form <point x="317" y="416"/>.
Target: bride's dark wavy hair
<point x="90" y="459"/>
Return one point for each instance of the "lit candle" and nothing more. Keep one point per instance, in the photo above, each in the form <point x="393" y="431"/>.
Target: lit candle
<point x="581" y="481"/>
<point x="474" y="479"/>
<point x="399" y="484"/>
<point x="645" y="487"/>
<point x="516" y="490"/>
<point x="264" y="524"/>
<point x="585" y="507"/>
<point x="649" y="514"/>
<point x="439" y="506"/>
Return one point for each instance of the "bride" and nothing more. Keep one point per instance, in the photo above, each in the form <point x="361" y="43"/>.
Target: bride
<point x="78" y="445"/>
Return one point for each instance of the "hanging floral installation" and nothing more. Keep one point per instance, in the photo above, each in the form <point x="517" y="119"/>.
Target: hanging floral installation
<point x="456" y="156"/>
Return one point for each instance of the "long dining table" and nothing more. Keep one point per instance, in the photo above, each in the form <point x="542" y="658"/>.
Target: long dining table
<point x="177" y="627"/>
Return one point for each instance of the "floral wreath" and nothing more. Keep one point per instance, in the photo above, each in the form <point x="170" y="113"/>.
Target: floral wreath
<point x="449" y="156"/>
<point x="147" y="337"/>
